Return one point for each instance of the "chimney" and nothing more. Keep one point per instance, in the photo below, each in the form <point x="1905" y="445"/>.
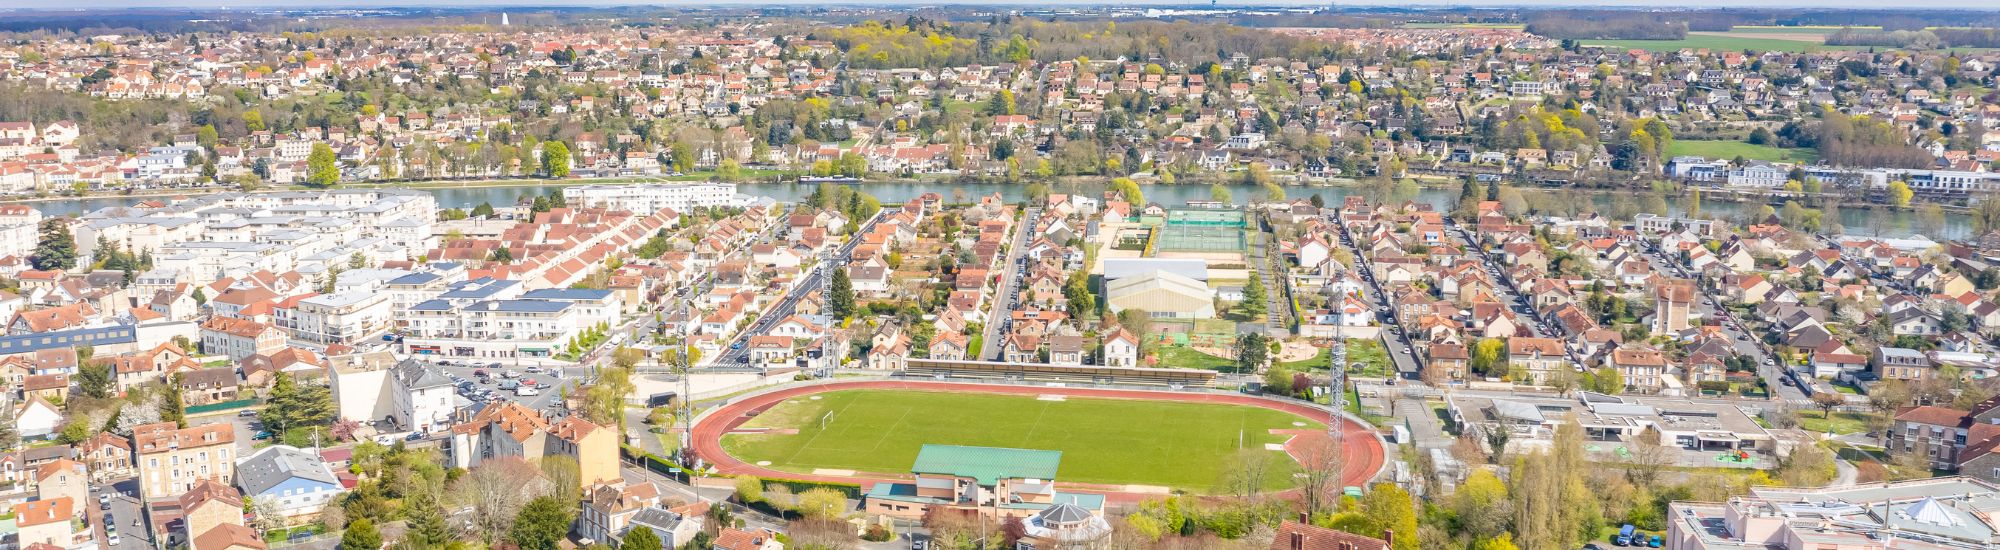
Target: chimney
<point x="1305" y="518"/>
<point x="1298" y="540"/>
<point x="1388" y="538"/>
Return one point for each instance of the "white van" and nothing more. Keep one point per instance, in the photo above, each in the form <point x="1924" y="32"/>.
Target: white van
<point x="525" y="391"/>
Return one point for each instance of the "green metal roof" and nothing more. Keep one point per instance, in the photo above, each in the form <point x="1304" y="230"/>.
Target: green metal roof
<point x="987" y="465"/>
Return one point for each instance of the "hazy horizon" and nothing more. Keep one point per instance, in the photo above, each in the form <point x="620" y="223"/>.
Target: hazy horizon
<point x="44" y="5"/>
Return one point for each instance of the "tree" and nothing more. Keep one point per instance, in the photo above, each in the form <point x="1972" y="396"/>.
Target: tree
<point x="1826" y="401"/>
<point x="542" y="524"/>
<point x="1218" y="193"/>
<point x="563" y="474"/>
<point x="322" y="166"/>
<point x="841" y="301"/>
<point x="1320" y="466"/>
<point x="496" y="491"/>
<point x="821" y="503"/>
<point x="427" y="527"/>
<point x="1482" y="505"/>
<point x="1388" y="508"/>
<point x="1488" y="355"/>
<point x="93" y="379"/>
<point x="1279" y="381"/>
<point x="500" y="254"/>
<point x="361" y="535"/>
<point x="1607" y="380"/>
<point x="1254" y="298"/>
<point x="293" y="405"/>
<point x="1129" y="190"/>
<point x="555" y="159"/>
<point x="171" y="408"/>
<point x="640" y="538"/>
<point x="729" y="170"/>
<point x="484" y="210"/>
<point x="56" y="249"/>
<point x="1900" y="193"/>
<point x="1252" y="351"/>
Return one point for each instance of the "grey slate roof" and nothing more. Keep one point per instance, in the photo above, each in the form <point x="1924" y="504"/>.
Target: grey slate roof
<point x="415" y="375"/>
<point x="278" y="463"/>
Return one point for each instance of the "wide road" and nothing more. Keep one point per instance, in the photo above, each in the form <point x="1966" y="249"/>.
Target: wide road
<point x="1363" y="459"/>
<point x="1008" y="288"/>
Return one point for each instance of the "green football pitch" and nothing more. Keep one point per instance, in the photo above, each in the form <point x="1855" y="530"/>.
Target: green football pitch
<point x="1103" y="441"/>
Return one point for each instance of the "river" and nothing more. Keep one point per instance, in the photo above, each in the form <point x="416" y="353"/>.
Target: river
<point x="1854" y="220"/>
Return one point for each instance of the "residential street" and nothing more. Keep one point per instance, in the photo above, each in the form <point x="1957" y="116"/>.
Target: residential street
<point x="1009" y="288"/>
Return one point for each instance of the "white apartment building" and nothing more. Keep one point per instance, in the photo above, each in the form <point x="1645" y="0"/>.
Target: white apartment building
<point x="491" y="329"/>
<point x="680" y="197"/>
<point x="342" y="318"/>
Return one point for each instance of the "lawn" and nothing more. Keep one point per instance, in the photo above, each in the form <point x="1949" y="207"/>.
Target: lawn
<point x="1109" y="441"/>
<point x="1726" y="150"/>
<point x="1178" y="357"/>
<point x="1317" y="362"/>
<point x="1841" y="423"/>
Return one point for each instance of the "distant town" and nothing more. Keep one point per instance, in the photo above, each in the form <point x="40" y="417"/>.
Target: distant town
<point x="1091" y="278"/>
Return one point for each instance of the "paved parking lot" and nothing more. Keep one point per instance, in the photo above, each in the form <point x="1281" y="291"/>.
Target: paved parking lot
<point x="548" y="382"/>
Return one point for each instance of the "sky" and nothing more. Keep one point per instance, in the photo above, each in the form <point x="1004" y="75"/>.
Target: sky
<point x="1670" y="4"/>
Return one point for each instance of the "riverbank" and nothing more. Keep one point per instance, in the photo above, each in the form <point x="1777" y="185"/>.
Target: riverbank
<point x="1856" y="217"/>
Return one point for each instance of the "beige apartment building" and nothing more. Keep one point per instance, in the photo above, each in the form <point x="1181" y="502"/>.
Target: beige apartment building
<point x="171" y="460"/>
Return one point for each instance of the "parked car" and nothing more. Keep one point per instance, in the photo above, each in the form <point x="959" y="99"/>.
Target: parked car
<point x="525" y="391"/>
<point x="1626" y="535"/>
<point x="511" y="373"/>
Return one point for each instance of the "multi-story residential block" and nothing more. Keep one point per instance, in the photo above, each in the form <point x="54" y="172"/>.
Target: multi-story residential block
<point x="240" y="338"/>
<point x="652" y="198"/>
<point x="491" y="329"/>
<point x="171" y="459"/>
<point x="508" y="429"/>
<point x="346" y="318"/>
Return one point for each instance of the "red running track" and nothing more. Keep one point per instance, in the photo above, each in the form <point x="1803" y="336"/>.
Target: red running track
<point x="1362" y="461"/>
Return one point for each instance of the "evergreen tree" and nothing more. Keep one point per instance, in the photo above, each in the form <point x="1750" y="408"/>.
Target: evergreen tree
<point x="93" y="379"/>
<point x="171" y="408"/>
<point x="56" y="250"/>
<point x="484" y="210"/>
<point x="294" y="405"/>
<point x="427" y="528"/>
<point x="640" y="538"/>
<point x="840" y="298"/>
<point x="542" y="524"/>
<point x="361" y="535"/>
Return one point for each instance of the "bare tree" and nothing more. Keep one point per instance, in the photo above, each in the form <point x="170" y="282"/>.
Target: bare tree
<point x="1320" y="465"/>
<point x="824" y="534"/>
<point x="1649" y="455"/>
<point x="496" y="491"/>
<point x="1245" y="474"/>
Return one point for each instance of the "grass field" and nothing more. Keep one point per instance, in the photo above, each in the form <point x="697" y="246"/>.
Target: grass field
<point x="1108" y="441"/>
<point x="1731" y="149"/>
<point x="1178" y="357"/>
